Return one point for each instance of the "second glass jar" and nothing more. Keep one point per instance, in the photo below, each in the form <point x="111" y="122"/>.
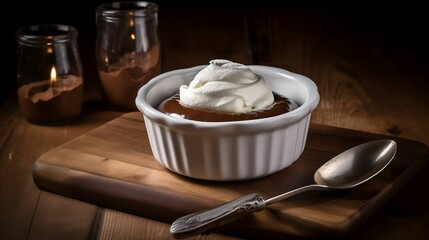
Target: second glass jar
<point x="127" y="50"/>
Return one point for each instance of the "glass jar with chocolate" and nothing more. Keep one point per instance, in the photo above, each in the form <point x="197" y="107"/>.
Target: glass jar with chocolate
<point x="49" y="74"/>
<point x="127" y="50"/>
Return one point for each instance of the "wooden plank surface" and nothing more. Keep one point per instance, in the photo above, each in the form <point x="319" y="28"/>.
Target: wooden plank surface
<point x="21" y="144"/>
<point x="112" y="166"/>
<point x="370" y="63"/>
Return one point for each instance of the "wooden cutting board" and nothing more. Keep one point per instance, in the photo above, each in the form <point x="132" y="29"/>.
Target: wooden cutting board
<point x="112" y="166"/>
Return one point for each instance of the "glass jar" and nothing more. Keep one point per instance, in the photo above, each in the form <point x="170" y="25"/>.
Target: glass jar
<point x="49" y="74"/>
<point x="127" y="50"/>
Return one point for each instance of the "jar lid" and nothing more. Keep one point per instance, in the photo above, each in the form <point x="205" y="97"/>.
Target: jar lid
<point x="46" y="34"/>
<point x="127" y="9"/>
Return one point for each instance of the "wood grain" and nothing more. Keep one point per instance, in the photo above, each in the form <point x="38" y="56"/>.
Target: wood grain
<point x="119" y="172"/>
<point x="184" y="46"/>
<point x="77" y="226"/>
<point x="352" y="66"/>
<point x="134" y="227"/>
<point x="22" y="144"/>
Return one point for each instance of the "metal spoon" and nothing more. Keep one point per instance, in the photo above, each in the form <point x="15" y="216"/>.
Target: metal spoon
<point x="348" y="169"/>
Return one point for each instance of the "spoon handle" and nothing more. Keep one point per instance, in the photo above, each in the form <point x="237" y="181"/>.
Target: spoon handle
<point x="295" y="192"/>
<point x="205" y="221"/>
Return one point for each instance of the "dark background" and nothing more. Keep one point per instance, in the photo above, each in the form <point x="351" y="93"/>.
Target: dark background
<point x="408" y="22"/>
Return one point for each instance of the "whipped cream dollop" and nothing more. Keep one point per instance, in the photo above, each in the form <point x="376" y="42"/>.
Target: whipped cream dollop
<point x="229" y="87"/>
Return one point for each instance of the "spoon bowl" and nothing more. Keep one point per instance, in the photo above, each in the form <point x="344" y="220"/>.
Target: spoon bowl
<point x="347" y="170"/>
<point x="356" y="165"/>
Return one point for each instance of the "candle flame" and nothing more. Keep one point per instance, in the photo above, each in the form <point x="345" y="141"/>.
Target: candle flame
<point x="53" y="76"/>
<point x="133" y="37"/>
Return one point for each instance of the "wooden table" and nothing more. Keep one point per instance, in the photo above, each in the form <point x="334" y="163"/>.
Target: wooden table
<point x="371" y="70"/>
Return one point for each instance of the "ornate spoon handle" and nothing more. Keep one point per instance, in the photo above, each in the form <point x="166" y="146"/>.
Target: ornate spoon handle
<point x="204" y="221"/>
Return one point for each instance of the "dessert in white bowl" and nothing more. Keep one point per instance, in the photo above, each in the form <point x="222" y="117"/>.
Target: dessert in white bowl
<point x="234" y="149"/>
<point x="226" y="91"/>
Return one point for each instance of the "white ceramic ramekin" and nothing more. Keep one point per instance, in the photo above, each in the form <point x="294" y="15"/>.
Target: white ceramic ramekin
<point x="228" y="151"/>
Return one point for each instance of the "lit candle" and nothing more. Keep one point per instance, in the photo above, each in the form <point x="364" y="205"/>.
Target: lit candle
<point x="53" y="76"/>
<point x="52" y="101"/>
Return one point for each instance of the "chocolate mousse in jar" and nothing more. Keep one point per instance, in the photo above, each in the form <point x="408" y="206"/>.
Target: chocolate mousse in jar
<point x="127" y="50"/>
